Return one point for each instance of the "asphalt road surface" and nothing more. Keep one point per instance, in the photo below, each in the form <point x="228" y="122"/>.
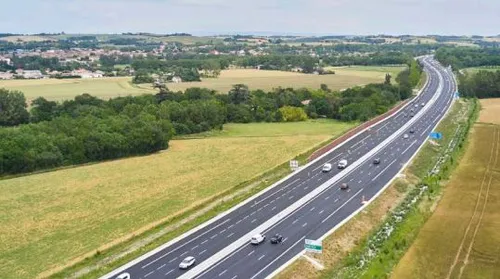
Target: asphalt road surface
<point x="307" y="204"/>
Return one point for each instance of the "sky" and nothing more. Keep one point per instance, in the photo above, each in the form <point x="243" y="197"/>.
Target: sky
<point x="210" y="17"/>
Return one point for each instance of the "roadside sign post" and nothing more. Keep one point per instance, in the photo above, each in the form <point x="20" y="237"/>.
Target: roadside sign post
<point x="314" y="246"/>
<point x="436" y="135"/>
<point x="294" y="165"/>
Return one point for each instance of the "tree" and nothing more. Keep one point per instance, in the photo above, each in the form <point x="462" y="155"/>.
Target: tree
<point x="12" y="108"/>
<point x="387" y="78"/>
<point x="239" y="94"/>
<point x="142" y="76"/>
<point x="292" y="114"/>
<point x="42" y="110"/>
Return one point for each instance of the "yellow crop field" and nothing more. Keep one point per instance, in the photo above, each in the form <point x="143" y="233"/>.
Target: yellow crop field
<point x="489" y="110"/>
<point x="49" y="219"/>
<point x="461" y="239"/>
<point x="345" y="77"/>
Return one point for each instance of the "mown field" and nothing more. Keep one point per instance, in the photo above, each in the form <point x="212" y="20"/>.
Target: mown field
<point x="489" y="111"/>
<point x="51" y="218"/>
<point x="54" y="89"/>
<point x="474" y="70"/>
<point x="461" y="238"/>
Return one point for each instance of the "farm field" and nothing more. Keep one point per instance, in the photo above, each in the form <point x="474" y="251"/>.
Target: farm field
<point x="345" y="77"/>
<point x="474" y="70"/>
<point x="461" y="239"/>
<point x="489" y="111"/>
<point x="49" y="219"/>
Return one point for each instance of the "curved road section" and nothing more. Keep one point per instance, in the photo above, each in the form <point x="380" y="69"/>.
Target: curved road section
<point x="307" y="204"/>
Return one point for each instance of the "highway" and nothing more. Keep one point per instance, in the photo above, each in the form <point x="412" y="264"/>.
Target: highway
<point x="307" y="203"/>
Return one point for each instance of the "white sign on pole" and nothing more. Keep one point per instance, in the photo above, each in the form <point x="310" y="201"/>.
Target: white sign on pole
<point x="314" y="246"/>
<point x="294" y="164"/>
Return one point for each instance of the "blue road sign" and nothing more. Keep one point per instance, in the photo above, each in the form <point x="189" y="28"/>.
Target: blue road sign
<point x="436" y="135"/>
<point x="457" y="95"/>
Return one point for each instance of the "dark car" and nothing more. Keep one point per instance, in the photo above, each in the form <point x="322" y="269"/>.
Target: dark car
<point x="411" y="114"/>
<point x="277" y="239"/>
<point x="376" y="161"/>
<point x="412" y="131"/>
<point x="344" y="186"/>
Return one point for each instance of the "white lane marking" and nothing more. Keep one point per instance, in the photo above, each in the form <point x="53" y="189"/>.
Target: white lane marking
<point x="321" y="211"/>
<point x="380" y="173"/>
<point x="213" y="236"/>
<point x="239" y="221"/>
<point x="281" y="189"/>
<point x="340" y="207"/>
<point x="369" y="174"/>
<point x="361" y="172"/>
<point x="162" y="266"/>
<point x="305" y="224"/>
<point x="202" y="252"/>
<point x="383" y="126"/>
<point x="335" y="157"/>
<point x="230" y="226"/>
<point x="178" y="247"/>
<point x="295" y="221"/>
<point x="273" y="208"/>
<point x="415" y="141"/>
<point x="306" y="188"/>
<point x="261" y="257"/>
<point x="251" y="253"/>
<point x="351" y="179"/>
<point x="254" y="220"/>
<point x="230" y="235"/>
<point x="312" y="208"/>
<point x="222" y="273"/>
<point x="234" y="277"/>
<point x="291" y="197"/>
<point x="359" y="182"/>
<point x="327" y="197"/>
<point x="246" y="217"/>
<point x="424" y="131"/>
<point x="174" y="259"/>
<point x="221" y="232"/>
<point x="265" y="205"/>
<point x="252" y="213"/>
<point x="336" y="200"/>
<point x="147" y="274"/>
<point x="277" y="258"/>
<point x="260" y="208"/>
<point x="194" y="247"/>
<point x="357" y="148"/>
<point x="205" y="241"/>
<point x="184" y="253"/>
<point x="319" y="179"/>
<point x="172" y="270"/>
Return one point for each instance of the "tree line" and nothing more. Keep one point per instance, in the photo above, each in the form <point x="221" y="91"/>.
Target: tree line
<point x="483" y="84"/>
<point x="464" y="57"/>
<point x="89" y="129"/>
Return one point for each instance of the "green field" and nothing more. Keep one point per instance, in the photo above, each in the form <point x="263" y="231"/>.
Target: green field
<point x="474" y="70"/>
<point x="461" y="239"/>
<point x="52" y="218"/>
<point x="54" y="89"/>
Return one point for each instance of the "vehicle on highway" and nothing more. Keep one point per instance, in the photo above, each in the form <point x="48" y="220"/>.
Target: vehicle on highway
<point x="278" y="238"/>
<point x="327" y="167"/>
<point x="344" y="186"/>
<point x="423" y="104"/>
<point x="411" y="114"/>
<point x="416" y="105"/>
<point x="342" y="164"/>
<point x="412" y="131"/>
<point x="406" y="136"/>
<point x="376" y="161"/>
<point x="125" y="275"/>
<point x="257" y="239"/>
<point x="187" y="263"/>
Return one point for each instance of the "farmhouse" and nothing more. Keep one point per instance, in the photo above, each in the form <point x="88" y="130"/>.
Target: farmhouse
<point x="4" y="75"/>
<point x="176" y="79"/>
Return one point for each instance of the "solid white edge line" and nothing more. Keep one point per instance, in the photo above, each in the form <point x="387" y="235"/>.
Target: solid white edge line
<point x="289" y="262"/>
<point x="274" y="185"/>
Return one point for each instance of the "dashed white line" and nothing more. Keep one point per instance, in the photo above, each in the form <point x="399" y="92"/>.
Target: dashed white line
<point x="162" y="266"/>
<point x="230" y="235"/>
<point x="222" y="273"/>
<point x="184" y="253"/>
<point x="174" y="259"/>
<point x="239" y="221"/>
<point x="327" y="197"/>
<point x="380" y="173"/>
<point x="261" y="257"/>
<point x="213" y="236"/>
<point x="202" y="252"/>
<point x="251" y="253"/>
<point x="312" y="208"/>
<point x="205" y="241"/>
<point x="295" y="221"/>
<point x="273" y="208"/>
<point x="291" y="197"/>
<point x="172" y="270"/>
<point x="234" y="277"/>
<point x="230" y="226"/>
<point x="194" y="247"/>
<point x="221" y="232"/>
<point x="415" y="141"/>
<point x="305" y="224"/>
<point x="147" y="274"/>
<point x="321" y="211"/>
<point x="253" y="220"/>
<point x="336" y="200"/>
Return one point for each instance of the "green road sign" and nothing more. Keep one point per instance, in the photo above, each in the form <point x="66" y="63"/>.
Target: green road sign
<point x="313" y="246"/>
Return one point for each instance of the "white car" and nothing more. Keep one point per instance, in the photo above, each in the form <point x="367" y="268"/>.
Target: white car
<point x="406" y="136"/>
<point x="257" y="239"/>
<point x="187" y="262"/>
<point x="123" y="276"/>
<point x="327" y="167"/>
<point x="342" y="164"/>
<point x="423" y="104"/>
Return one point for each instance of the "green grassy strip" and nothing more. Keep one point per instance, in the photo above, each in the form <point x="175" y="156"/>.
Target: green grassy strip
<point x="266" y="179"/>
<point x="391" y="249"/>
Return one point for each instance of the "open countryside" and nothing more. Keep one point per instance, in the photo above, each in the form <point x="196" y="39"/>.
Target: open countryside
<point x="345" y="77"/>
<point x="51" y="218"/>
<point x="460" y="240"/>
